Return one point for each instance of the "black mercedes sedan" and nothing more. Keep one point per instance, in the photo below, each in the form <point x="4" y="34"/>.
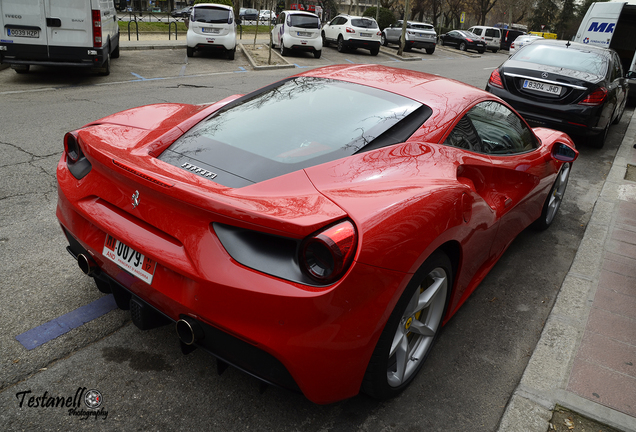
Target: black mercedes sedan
<point x="464" y="40"/>
<point x="576" y="88"/>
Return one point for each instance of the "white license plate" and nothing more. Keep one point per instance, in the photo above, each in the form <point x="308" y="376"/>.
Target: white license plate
<point x="366" y="34"/>
<point x="129" y="259"/>
<point x="542" y="87"/>
<point x="23" y="33"/>
<point x="303" y="34"/>
<point x="210" y="30"/>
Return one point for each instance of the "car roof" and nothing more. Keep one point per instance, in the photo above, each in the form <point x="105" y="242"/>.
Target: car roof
<point x="299" y="12"/>
<point x="211" y="4"/>
<point x="574" y="46"/>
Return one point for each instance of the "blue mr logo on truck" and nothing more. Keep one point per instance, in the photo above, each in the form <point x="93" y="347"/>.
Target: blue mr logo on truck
<point x="602" y="27"/>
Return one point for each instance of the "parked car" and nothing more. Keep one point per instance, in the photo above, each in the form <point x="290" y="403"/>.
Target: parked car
<point x="463" y="40"/>
<point x="631" y="80"/>
<point x="322" y="259"/>
<point x="266" y="15"/>
<point x="181" y="13"/>
<point x="247" y="14"/>
<point x="211" y="28"/>
<point x="490" y="35"/>
<point x="576" y="88"/>
<point x="297" y="31"/>
<point x="518" y="43"/>
<point x="418" y="35"/>
<point x="351" y="32"/>
<point x="508" y="36"/>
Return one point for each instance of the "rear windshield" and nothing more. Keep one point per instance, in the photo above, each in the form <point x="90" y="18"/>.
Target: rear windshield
<point x="293" y="125"/>
<point x="562" y="57"/>
<point x="210" y="14"/>
<point x="366" y="23"/>
<point x="422" y="26"/>
<point x="304" y="21"/>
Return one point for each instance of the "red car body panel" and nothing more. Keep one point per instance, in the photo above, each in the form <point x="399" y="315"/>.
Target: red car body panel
<point x="406" y="201"/>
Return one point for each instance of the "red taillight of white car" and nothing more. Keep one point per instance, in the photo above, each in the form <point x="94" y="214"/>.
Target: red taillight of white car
<point x="327" y="254"/>
<point x="97" y="28"/>
<point x="71" y="146"/>
<point x="495" y="79"/>
<point x="512" y="45"/>
<point x="597" y="97"/>
<point x="350" y="30"/>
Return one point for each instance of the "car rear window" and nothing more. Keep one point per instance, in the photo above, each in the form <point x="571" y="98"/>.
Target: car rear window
<point x="211" y="14"/>
<point x="365" y="23"/>
<point x="422" y="26"/>
<point x="304" y="21"/>
<point x="562" y="57"/>
<point x="295" y="124"/>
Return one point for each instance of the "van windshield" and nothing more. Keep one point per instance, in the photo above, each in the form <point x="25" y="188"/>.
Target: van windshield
<point x="304" y="21"/>
<point x="207" y="14"/>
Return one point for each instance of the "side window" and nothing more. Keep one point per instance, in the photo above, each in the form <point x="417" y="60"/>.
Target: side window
<point x="465" y="136"/>
<point x="501" y="130"/>
<point x="477" y="31"/>
<point x="618" y="68"/>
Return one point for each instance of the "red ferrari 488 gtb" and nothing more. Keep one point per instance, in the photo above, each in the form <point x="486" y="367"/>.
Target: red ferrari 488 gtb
<point x="315" y="233"/>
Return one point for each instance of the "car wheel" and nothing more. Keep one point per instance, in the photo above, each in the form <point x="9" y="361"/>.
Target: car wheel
<point x="283" y="51"/>
<point x="411" y="330"/>
<point x="407" y="48"/>
<point x="430" y="50"/>
<point x="462" y="46"/>
<point x="441" y="41"/>
<point x="341" y="46"/>
<point x="317" y="54"/>
<point x="383" y="40"/>
<point x="115" y="53"/>
<point x="554" y="198"/>
<point x="598" y="141"/>
<point x="494" y="50"/>
<point x="481" y="51"/>
<point x="374" y="51"/>
<point x="231" y="54"/>
<point x="325" y="42"/>
<point x="618" y="118"/>
<point x="190" y="51"/>
<point x="105" y="69"/>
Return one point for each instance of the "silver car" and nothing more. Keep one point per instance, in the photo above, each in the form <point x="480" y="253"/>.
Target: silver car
<point x="522" y="40"/>
<point x="418" y="35"/>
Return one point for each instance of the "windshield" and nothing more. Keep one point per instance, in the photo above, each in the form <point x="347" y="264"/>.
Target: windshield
<point x="304" y="21"/>
<point x="208" y="14"/>
<point x="562" y="57"/>
<point x="422" y="26"/>
<point x="292" y="125"/>
<point x="366" y="23"/>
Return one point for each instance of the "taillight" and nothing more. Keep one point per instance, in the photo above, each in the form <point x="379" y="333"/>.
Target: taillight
<point x="495" y="79"/>
<point x="71" y="146"/>
<point x="512" y="45"/>
<point x="97" y="28"/>
<point x="327" y="254"/>
<point x="595" y="98"/>
<point x="350" y="30"/>
<point x="469" y="40"/>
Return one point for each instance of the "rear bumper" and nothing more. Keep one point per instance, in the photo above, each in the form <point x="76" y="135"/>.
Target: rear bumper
<point x="211" y="42"/>
<point x="42" y="55"/>
<point x="361" y="43"/>
<point x="420" y="44"/>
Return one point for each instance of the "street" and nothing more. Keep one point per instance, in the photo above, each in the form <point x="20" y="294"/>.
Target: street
<point x="145" y="380"/>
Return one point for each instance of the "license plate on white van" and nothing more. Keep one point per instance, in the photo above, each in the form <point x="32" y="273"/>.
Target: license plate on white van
<point x="23" y="33"/>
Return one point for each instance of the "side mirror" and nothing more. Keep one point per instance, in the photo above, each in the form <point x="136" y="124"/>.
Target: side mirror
<point x="564" y="153"/>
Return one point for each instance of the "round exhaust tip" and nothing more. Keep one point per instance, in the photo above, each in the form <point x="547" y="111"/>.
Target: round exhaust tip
<point x="189" y="330"/>
<point x="86" y="264"/>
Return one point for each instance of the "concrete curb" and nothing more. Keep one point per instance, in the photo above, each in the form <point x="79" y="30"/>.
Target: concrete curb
<point x="544" y="382"/>
<point x="254" y="65"/>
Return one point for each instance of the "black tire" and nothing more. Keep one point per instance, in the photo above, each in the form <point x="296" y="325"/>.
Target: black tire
<point x="383" y="40"/>
<point x="231" y="54"/>
<point x="494" y="50"/>
<point x="105" y="69"/>
<point x="481" y="51"/>
<point x="115" y="53"/>
<point x="374" y="51"/>
<point x="430" y="50"/>
<point x="598" y="141"/>
<point x="284" y="51"/>
<point x="401" y="335"/>
<point x="325" y="42"/>
<point x="442" y="42"/>
<point x="341" y="45"/>
<point x="553" y="200"/>
<point x="618" y="118"/>
<point x="190" y="51"/>
<point x="407" y="48"/>
<point x="462" y="46"/>
<point x="317" y="54"/>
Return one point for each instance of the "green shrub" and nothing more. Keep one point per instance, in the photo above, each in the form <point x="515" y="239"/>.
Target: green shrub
<point x="385" y="19"/>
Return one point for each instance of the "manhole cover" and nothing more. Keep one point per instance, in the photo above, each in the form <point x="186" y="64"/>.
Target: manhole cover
<point x="631" y="173"/>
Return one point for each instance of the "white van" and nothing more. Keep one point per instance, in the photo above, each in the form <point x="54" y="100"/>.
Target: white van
<point x="80" y="33"/>
<point x="211" y="27"/>
<point x="297" y="30"/>
<point x="490" y="35"/>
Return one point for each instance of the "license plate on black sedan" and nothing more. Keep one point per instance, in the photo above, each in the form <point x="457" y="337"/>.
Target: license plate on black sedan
<point x="542" y="87"/>
<point x="129" y="259"/>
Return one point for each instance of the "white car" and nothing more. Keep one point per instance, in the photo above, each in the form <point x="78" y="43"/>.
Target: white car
<point x="490" y="35"/>
<point x="352" y="32"/>
<point x="211" y="27"/>
<point x="522" y="40"/>
<point x="297" y="30"/>
<point x="418" y="35"/>
<point x="266" y="15"/>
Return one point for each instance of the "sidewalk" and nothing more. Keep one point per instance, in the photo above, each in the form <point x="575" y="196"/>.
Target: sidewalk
<point x="586" y="358"/>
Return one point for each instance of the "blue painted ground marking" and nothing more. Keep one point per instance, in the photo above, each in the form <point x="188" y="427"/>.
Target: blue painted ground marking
<point x="63" y="324"/>
<point x="350" y="61"/>
<point x="242" y="69"/>
<point x="138" y="76"/>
